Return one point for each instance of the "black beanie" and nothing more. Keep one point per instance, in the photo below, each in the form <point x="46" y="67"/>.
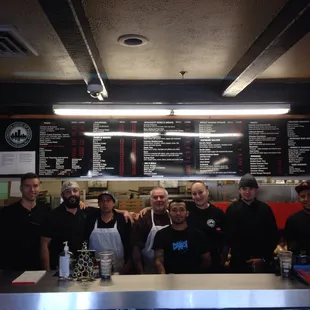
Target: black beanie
<point x="248" y="181"/>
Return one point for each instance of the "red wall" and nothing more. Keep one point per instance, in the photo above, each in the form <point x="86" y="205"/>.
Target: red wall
<point x="281" y="210"/>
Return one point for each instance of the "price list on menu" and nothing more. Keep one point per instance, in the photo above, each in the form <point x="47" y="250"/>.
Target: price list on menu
<point x="108" y="148"/>
<point x="171" y="151"/>
<point x="62" y="148"/>
<point x="219" y="147"/>
<point x="266" y="151"/>
<point x="298" y="134"/>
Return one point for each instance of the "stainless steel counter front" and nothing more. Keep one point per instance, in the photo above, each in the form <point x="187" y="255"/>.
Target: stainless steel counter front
<point x="156" y="291"/>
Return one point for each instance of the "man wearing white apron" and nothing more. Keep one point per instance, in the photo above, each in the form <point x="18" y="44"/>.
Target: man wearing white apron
<point x="108" y="231"/>
<point x="145" y="229"/>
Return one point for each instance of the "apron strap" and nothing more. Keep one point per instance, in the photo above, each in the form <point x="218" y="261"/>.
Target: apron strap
<point x="96" y="224"/>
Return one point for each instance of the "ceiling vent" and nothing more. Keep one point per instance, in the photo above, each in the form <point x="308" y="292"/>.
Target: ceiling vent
<point x="13" y="45"/>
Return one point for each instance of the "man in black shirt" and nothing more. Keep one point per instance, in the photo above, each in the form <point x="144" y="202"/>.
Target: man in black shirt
<point x="251" y="230"/>
<point x="210" y="220"/>
<point x="20" y="228"/>
<point x="65" y="223"/>
<point x="179" y="248"/>
<point x="297" y="227"/>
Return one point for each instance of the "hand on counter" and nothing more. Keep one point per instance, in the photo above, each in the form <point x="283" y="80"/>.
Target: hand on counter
<point x="255" y="261"/>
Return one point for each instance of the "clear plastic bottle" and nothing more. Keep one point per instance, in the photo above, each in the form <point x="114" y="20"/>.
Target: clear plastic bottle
<point x="64" y="262"/>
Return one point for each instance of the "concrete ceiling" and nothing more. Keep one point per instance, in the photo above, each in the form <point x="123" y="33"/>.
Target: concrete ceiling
<point x="206" y="38"/>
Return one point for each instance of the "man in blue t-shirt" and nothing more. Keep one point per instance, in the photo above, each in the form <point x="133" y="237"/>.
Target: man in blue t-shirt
<point x="179" y="248"/>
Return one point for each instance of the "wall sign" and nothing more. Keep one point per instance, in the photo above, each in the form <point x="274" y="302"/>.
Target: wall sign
<point x="160" y="148"/>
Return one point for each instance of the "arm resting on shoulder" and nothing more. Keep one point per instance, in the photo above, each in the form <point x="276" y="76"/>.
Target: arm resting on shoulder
<point x="45" y="253"/>
<point x="126" y="215"/>
<point x="159" y="261"/>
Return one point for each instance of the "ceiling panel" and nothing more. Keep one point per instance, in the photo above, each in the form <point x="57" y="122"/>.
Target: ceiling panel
<point x="53" y="62"/>
<point x="295" y="63"/>
<point x="204" y="37"/>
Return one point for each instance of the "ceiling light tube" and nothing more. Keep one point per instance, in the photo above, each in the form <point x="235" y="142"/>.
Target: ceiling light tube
<point x="110" y="110"/>
<point x="166" y="110"/>
<point x="232" y="110"/>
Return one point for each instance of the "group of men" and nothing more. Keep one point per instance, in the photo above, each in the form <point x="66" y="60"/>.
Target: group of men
<point x="170" y="237"/>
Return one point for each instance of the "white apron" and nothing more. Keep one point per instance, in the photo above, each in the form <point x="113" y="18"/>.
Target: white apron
<point x="108" y="239"/>
<point x="147" y="251"/>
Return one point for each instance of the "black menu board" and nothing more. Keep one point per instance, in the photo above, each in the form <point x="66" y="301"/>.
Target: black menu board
<point x="156" y="148"/>
<point x="170" y="152"/>
<point x="219" y="147"/>
<point x="266" y="142"/>
<point x="298" y="140"/>
<point x="62" y="148"/>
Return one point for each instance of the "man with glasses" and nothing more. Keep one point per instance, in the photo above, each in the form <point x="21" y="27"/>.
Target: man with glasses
<point x="297" y="227"/>
<point x="20" y="227"/>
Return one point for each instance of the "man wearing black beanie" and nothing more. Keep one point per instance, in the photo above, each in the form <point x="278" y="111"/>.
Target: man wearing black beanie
<point x="251" y="230"/>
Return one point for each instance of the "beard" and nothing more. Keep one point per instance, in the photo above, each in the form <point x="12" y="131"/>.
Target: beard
<point x="72" y="202"/>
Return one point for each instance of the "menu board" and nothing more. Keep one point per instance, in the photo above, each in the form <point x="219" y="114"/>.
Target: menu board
<point x="170" y="152"/>
<point x="62" y="148"/>
<point x="266" y="140"/>
<point x="157" y="148"/>
<point x="298" y="134"/>
<point x="219" y="147"/>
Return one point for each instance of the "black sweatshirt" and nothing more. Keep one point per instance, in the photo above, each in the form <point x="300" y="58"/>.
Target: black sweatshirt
<point x="297" y="232"/>
<point x="251" y="231"/>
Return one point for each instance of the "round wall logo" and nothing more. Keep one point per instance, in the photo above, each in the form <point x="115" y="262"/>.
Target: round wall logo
<point x="18" y="134"/>
<point x="211" y="223"/>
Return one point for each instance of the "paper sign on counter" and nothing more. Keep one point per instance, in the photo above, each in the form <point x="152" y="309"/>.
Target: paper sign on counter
<point x="29" y="277"/>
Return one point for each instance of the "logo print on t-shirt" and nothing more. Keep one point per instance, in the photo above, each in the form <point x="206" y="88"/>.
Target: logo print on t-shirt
<point x="211" y="223"/>
<point x="180" y="245"/>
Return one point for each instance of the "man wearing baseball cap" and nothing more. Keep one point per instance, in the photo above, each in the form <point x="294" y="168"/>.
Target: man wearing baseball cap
<point x="252" y="231"/>
<point x="65" y="223"/>
<point x="297" y="227"/>
<point x="107" y="229"/>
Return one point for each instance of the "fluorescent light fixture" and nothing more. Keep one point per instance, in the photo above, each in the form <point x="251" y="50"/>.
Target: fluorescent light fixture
<point x="122" y="134"/>
<point x="110" y="110"/>
<point x="233" y="110"/>
<point x="202" y="135"/>
<point x="172" y="110"/>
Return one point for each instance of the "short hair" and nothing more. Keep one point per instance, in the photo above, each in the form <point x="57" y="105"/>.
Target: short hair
<point x="159" y="187"/>
<point x="178" y="200"/>
<point x="28" y="176"/>
<point x="200" y="182"/>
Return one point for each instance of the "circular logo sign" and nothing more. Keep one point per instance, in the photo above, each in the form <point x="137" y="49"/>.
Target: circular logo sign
<point x="211" y="223"/>
<point x="18" y="134"/>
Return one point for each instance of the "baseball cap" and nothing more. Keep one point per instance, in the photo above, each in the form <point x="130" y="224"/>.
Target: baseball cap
<point x="248" y="181"/>
<point x="69" y="185"/>
<point x="302" y="186"/>
<point x="107" y="193"/>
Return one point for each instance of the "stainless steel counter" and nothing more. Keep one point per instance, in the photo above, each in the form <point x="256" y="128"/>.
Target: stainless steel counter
<point x="156" y="291"/>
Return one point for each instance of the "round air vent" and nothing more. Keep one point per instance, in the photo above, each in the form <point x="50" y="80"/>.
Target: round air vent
<point x="132" y="40"/>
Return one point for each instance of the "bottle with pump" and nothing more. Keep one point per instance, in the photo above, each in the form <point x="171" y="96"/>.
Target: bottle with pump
<point x="64" y="262"/>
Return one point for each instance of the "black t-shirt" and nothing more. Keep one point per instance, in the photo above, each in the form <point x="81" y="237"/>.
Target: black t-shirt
<point x="212" y="222"/>
<point x="20" y="231"/>
<point x="182" y="249"/>
<point x="62" y="226"/>
<point x="251" y="231"/>
<point x="123" y="228"/>
<point x="297" y="232"/>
